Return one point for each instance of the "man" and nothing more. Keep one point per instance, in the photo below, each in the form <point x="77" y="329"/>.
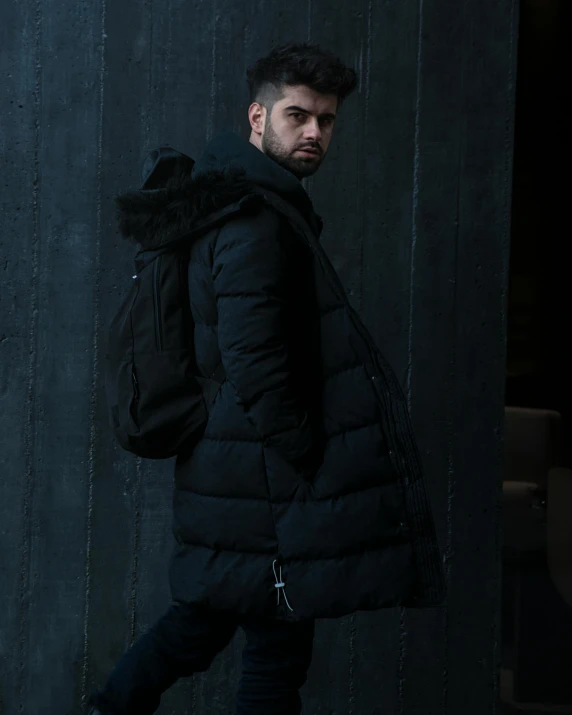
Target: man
<point x="305" y="496"/>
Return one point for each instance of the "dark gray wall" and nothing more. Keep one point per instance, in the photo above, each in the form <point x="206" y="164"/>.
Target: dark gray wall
<point x="415" y="195"/>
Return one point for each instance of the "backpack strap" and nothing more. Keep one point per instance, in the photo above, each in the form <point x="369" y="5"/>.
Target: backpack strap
<point x="217" y="218"/>
<point x="254" y="198"/>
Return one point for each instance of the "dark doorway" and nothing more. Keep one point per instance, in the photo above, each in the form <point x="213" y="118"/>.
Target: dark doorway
<point x="537" y="553"/>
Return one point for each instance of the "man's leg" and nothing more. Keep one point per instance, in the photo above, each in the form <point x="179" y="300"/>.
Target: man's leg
<point x="182" y="642"/>
<point x="275" y="662"/>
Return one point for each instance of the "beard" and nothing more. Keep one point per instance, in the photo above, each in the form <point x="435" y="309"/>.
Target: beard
<point x="300" y="166"/>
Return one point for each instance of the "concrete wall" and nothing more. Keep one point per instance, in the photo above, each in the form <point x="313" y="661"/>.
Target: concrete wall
<point x="415" y="195"/>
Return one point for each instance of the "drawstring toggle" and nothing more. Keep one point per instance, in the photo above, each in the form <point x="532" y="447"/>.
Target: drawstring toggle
<point x="280" y="585"/>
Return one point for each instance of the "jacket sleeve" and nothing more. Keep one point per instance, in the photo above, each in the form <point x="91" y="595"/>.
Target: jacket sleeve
<point x="250" y="265"/>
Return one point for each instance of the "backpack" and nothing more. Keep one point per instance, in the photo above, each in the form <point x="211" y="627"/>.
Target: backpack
<point x="158" y="404"/>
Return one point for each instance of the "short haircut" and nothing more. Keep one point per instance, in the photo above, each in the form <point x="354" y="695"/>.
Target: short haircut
<point x="299" y="64"/>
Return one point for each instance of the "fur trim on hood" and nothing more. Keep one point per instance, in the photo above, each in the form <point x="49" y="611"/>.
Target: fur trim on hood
<point x="151" y="217"/>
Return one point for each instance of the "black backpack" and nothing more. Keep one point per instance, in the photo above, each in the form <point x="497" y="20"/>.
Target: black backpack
<point x="158" y="404"/>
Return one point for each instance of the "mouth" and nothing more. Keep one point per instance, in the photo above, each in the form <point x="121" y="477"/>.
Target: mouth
<point x="308" y="152"/>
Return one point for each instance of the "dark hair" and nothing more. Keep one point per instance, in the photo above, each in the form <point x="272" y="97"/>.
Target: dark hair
<point x="295" y="64"/>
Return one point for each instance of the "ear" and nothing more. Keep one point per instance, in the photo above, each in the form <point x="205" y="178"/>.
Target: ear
<point x="257" y="117"/>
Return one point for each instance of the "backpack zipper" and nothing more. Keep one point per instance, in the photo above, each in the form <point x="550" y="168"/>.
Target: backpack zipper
<point x="135" y="384"/>
<point x="157" y="302"/>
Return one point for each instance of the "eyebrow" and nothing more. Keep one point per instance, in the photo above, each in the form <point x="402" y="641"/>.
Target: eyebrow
<point x="327" y="115"/>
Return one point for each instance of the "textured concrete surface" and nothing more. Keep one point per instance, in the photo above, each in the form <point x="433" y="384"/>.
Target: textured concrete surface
<point x="415" y="195"/>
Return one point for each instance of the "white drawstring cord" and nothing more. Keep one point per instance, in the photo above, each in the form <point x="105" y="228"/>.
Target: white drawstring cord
<point x="280" y="585"/>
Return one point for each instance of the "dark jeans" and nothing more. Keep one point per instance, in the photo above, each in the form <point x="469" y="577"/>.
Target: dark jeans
<point x="186" y="639"/>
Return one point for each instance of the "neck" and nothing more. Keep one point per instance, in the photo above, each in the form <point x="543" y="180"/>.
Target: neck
<point x="256" y="140"/>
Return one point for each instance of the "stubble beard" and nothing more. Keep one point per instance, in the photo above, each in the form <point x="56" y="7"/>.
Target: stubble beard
<point x="273" y="147"/>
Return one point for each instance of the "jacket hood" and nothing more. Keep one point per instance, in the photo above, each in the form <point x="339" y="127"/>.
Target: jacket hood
<point x="178" y="193"/>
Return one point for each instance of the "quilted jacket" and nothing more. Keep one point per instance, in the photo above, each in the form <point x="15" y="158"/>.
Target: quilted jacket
<point x="305" y="497"/>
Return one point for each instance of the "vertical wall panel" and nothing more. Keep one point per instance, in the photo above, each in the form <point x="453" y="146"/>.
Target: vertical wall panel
<point x="389" y="116"/>
<point x="19" y="140"/>
<point x="414" y="194"/>
<point x="432" y="316"/>
<point x="68" y="159"/>
<point x="484" y="187"/>
<point x="109" y="616"/>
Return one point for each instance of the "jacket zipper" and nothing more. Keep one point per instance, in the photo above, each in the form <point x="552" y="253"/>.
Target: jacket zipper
<point x="157" y="302"/>
<point x="395" y="410"/>
<point x="409" y="452"/>
<point x="390" y="383"/>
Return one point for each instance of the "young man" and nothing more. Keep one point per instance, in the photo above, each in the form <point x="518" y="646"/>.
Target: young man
<point x="305" y="496"/>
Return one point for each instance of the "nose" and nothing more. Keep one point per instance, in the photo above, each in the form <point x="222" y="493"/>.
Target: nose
<point x="312" y="131"/>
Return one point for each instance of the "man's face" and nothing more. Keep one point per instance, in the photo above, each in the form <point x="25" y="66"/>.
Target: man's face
<point x="303" y="119"/>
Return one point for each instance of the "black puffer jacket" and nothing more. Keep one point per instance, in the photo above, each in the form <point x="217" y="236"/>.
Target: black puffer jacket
<point x="305" y="498"/>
